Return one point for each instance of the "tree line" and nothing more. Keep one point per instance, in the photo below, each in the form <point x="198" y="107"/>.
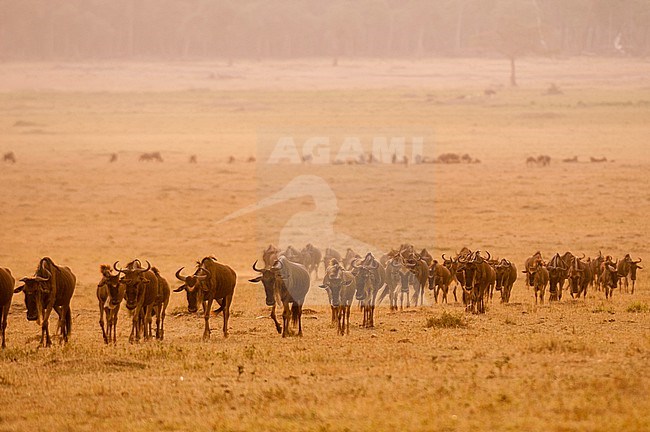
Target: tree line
<point x="286" y="29"/>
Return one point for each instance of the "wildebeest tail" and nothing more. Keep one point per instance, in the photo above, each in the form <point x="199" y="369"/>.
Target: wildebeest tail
<point x="67" y="322"/>
<point x="295" y="313"/>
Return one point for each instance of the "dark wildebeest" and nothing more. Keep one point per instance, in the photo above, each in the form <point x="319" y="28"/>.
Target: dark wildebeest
<point x="339" y="284"/>
<point x="311" y="257"/>
<point x="7" y="282"/>
<point x="627" y="268"/>
<point x="350" y="256"/>
<point x="145" y="296"/>
<point x="110" y="293"/>
<point x="292" y="254"/>
<point x="479" y="275"/>
<point x="113" y="158"/>
<point x="609" y="279"/>
<point x="544" y="160"/>
<point x="213" y="281"/>
<point x="529" y="264"/>
<point x="392" y="272"/>
<point x="574" y="159"/>
<point x="595" y="265"/>
<point x="579" y="277"/>
<point x="51" y="288"/>
<point x="9" y="157"/>
<point x="597" y="160"/>
<point x="274" y="290"/>
<point x="531" y="160"/>
<point x="420" y="270"/>
<point x="452" y="265"/>
<point x="539" y="274"/>
<point x="557" y="274"/>
<point x="152" y="156"/>
<point x="193" y="159"/>
<point x="506" y="275"/>
<point x="439" y="280"/>
<point x="331" y="254"/>
<point x="369" y="279"/>
<point x="270" y="255"/>
<point x="426" y="256"/>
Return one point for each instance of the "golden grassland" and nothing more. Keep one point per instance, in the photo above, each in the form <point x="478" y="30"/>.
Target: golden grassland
<point x="575" y="365"/>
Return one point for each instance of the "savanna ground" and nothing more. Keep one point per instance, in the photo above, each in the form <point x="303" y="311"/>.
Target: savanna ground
<point x="574" y="365"/>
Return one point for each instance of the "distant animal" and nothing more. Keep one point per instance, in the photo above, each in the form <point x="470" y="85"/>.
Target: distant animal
<point x="286" y="282"/>
<point x="152" y="156"/>
<point x="51" y="288"/>
<point x="331" y="254"/>
<point x="311" y="257"/>
<point x="579" y="276"/>
<point x="529" y="264"/>
<point x="110" y="293"/>
<point x="7" y="282"/>
<point x="530" y="160"/>
<point x="215" y="282"/>
<point x="292" y="254"/>
<point x="478" y="277"/>
<point x="339" y="284"/>
<point x="574" y="159"/>
<point x="420" y="270"/>
<point x="9" y="157"/>
<point x="627" y="268"/>
<point x="251" y="159"/>
<point x="544" y="160"/>
<point x="506" y="275"/>
<point x="270" y="255"/>
<point x="597" y="160"/>
<point x="193" y="159"/>
<point x="231" y="159"/>
<point x="350" y="256"/>
<point x="113" y="158"/>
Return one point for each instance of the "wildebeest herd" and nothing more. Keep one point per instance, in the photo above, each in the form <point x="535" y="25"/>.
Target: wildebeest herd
<point x="401" y="275"/>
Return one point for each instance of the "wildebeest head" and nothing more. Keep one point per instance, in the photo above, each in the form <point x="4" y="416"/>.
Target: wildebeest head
<point x="334" y="281"/>
<point x="193" y="286"/>
<point x="470" y="267"/>
<point x="133" y="280"/>
<point x="610" y="275"/>
<point x="269" y="278"/>
<point x="556" y="267"/>
<point x="634" y="265"/>
<point x="502" y="270"/>
<point x="37" y="291"/>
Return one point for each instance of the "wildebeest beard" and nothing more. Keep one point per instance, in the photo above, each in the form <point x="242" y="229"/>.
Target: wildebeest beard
<point x="31" y="300"/>
<point x="364" y="278"/>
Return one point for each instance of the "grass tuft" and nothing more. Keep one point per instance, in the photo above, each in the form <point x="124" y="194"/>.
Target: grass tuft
<point x="446" y="320"/>
<point x="638" y="307"/>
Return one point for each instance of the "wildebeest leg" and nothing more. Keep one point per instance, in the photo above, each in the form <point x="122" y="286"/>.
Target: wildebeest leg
<point x="135" y="326"/>
<point x="347" y="319"/>
<point x="334" y="316"/>
<point x="286" y="316"/>
<point x="633" y="281"/>
<point x="3" y="323"/>
<point x="226" y="315"/>
<point x="101" y="320"/>
<point x="206" y="317"/>
<point x="541" y="295"/>
<point x="275" y="320"/>
<point x="299" y="320"/>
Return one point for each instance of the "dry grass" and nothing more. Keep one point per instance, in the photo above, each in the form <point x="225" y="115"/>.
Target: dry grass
<point x="573" y="365"/>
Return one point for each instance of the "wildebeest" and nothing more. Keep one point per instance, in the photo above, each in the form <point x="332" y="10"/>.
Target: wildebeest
<point x="147" y="294"/>
<point x="151" y="156"/>
<point x="51" y="288"/>
<point x="426" y="256"/>
<point x="579" y="277"/>
<point x="287" y="282"/>
<point x="420" y="270"/>
<point x="350" y="256"/>
<point x="9" y="157"/>
<point x="439" y="280"/>
<point x="339" y="284"/>
<point x="311" y="257"/>
<point x="331" y="254"/>
<point x="393" y="277"/>
<point x="110" y="293"/>
<point x="452" y="265"/>
<point x="627" y="268"/>
<point x="609" y="279"/>
<point x="557" y="274"/>
<point x="113" y="158"/>
<point x="574" y="159"/>
<point x="478" y="275"/>
<point x="213" y="281"/>
<point x="595" y="265"/>
<point x="597" y="160"/>
<point x="7" y="282"/>
<point x="529" y="264"/>
<point x="292" y="254"/>
<point x="539" y="274"/>
<point x="193" y="159"/>
<point x="270" y="255"/>
<point x="369" y="279"/>
<point x="506" y="275"/>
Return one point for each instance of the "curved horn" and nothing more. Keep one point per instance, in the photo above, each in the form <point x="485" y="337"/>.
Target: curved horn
<point x="42" y="279"/>
<point x="118" y="270"/>
<point x="392" y="263"/>
<point x="446" y="259"/>
<point x="206" y="274"/>
<point x="374" y="264"/>
<point x="636" y="262"/>
<point x="178" y="275"/>
<point x="489" y="256"/>
<point x="255" y="268"/>
<point x="144" y="270"/>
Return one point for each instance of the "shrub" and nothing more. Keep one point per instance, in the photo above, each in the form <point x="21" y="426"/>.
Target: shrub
<point x="446" y="320"/>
